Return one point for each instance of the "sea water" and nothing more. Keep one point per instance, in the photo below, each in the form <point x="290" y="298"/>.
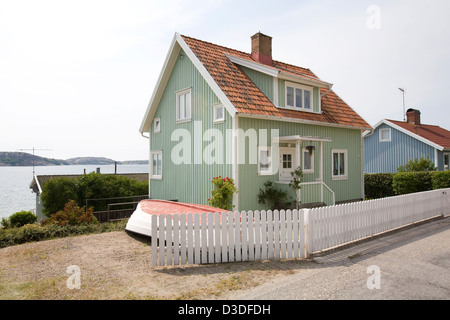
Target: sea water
<point x="15" y="192"/>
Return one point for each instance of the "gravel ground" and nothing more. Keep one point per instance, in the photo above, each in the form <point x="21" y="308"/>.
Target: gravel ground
<point x="116" y="265"/>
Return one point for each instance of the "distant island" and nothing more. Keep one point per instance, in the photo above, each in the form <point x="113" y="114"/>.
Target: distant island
<point x="23" y="159"/>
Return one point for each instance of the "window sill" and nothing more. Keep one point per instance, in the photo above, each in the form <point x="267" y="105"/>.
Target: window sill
<point x="219" y="121"/>
<point x="339" y="177"/>
<point x="156" y="178"/>
<point x="183" y="120"/>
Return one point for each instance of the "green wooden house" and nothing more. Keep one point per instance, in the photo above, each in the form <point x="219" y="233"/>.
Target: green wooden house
<point x="216" y="111"/>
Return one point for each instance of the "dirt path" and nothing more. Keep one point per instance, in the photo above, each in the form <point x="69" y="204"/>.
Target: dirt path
<point x="116" y="265"/>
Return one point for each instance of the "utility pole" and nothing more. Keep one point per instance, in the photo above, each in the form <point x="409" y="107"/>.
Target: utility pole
<point x="34" y="149"/>
<point x="404" y="114"/>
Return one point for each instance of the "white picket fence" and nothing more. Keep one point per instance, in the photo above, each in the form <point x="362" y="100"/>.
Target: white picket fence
<point x="260" y="235"/>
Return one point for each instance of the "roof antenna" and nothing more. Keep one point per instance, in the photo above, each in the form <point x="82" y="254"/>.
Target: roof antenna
<point x="33" y="154"/>
<point x="404" y="114"/>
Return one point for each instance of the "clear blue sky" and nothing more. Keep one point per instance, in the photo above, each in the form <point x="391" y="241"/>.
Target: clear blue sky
<point x="76" y="76"/>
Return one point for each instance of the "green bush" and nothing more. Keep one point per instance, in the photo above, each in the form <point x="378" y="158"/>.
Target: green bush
<point x="36" y="232"/>
<point x="411" y="182"/>
<point x="275" y="199"/>
<point x="441" y="179"/>
<point x="378" y="185"/>
<point x="222" y="194"/>
<point x="22" y="218"/>
<point x="423" y="164"/>
<point x="56" y="192"/>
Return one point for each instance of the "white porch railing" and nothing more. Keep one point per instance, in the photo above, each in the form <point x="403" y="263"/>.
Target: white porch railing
<point x="327" y="195"/>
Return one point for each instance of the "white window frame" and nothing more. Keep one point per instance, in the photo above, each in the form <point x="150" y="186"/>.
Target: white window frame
<point x="448" y="164"/>
<point x="268" y="171"/>
<point x="153" y="175"/>
<point x="381" y="135"/>
<point x="339" y="176"/>
<point x="178" y="95"/>
<point x="216" y="119"/>
<point x="305" y="153"/>
<point x="157" y="125"/>
<point x="303" y="88"/>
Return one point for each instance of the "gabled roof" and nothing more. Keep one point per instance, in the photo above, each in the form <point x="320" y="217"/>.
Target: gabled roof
<point x="432" y="135"/>
<point x="239" y="94"/>
<point x="435" y="134"/>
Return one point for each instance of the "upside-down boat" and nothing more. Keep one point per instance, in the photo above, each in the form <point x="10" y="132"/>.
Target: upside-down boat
<point x="140" y="220"/>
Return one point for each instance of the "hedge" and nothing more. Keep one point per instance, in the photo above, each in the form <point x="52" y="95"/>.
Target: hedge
<point x="380" y="185"/>
<point x="37" y="232"/>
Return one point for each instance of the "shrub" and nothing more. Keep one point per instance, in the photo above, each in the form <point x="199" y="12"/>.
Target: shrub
<point x="440" y="179"/>
<point x="410" y="182"/>
<point x="378" y="185"/>
<point x="222" y="194"/>
<point x="71" y="215"/>
<point x="56" y="192"/>
<point x="22" y="218"/>
<point x="36" y="232"/>
<point x="276" y="199"/>
<point x="423" y="164"/>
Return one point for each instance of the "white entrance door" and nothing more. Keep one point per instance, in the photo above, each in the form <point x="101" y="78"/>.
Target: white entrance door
<point x="287" y="163"/>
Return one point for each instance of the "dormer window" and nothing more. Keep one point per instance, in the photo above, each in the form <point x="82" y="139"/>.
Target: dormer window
<point x="298" y="97"/>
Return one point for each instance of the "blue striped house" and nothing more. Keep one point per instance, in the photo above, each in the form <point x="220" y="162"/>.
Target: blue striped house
<point x="392" y="143"/>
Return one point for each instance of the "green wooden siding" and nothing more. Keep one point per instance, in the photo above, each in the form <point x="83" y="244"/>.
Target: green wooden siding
<point x="187" y="183"/>
<point x="263" y="81"/>
<point x="250" y="182"/>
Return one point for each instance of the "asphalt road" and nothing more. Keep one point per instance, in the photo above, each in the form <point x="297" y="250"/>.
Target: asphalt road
<point x="409" y="264"/>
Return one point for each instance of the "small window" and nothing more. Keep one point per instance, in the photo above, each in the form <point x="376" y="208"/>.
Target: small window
<point x="264" y="161"/>
<point x="308" y="162"/>
<point x="184" y="105"/>
<point x="385" y="135"/>
<point x="339" y="165"/>
<point x="298" y="96"/>
<point x="156" y="165"/>
<point x="446" y="161"/>
<point x="219" y="113"/>
<point x="157" y="125"/>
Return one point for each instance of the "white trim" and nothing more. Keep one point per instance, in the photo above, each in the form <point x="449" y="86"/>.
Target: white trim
<point x="215" y="119"/>
<point x="380" y="133"/>
<point x="275" y="91"/>
<point x="177" y="103"/>
<point x="155" y="128"/>
<point x="304" y="88"/>
<point x="275" y="72"/>
<point x="152" y="175"/>
<point x="405" y="131"/>
<point x="161" y="83"/>
<point x="282" y="151"/>
<point x="446" y="154"/>
<point x="234" y="156"/>
<point x="307" y="171"/>
<point x="269" y="156"/>
<point x="172" y="56"/>
<point x="271" y="71"/>
<point x="208" y="78"/>
<point x="345" y="175"/>
<point x="295" y="120"/>
<point x="300" y="138"/>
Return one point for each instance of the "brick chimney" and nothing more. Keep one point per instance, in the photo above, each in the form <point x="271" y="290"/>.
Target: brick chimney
<point x="262" y="48"/>
<point x="413" y="116"/>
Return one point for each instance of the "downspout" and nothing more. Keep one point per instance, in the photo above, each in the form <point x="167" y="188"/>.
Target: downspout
<point x="149" y="161"/>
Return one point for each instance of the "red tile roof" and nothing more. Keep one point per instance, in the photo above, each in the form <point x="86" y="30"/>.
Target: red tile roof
<point x="248" y="99"/>
<point x="435" y="134"/>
